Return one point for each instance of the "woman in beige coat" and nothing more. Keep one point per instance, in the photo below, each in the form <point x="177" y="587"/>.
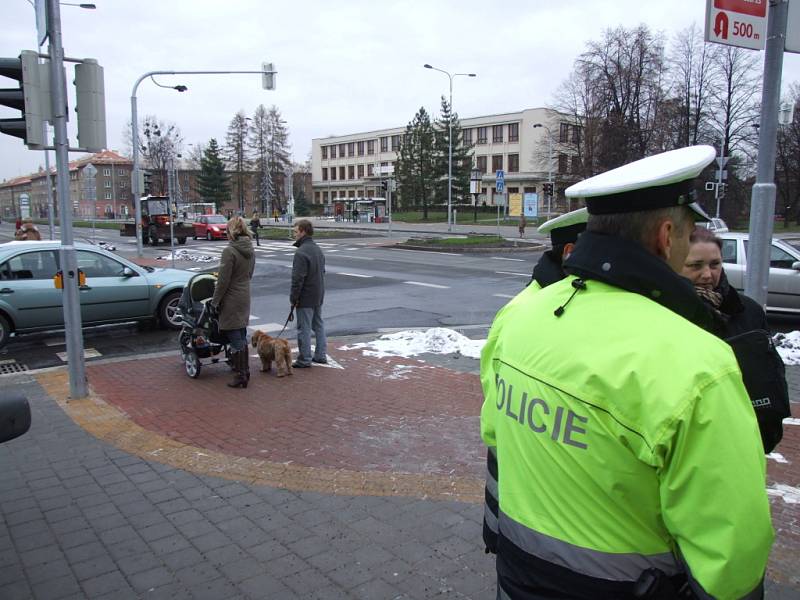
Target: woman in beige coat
<point x="231" y="298"/>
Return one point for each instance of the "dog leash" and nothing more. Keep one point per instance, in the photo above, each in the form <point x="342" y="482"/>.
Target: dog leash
<point x="289" y="319"/>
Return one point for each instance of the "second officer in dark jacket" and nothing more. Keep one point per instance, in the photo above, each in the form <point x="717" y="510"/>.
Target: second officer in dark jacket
<point x="308" y="292"/>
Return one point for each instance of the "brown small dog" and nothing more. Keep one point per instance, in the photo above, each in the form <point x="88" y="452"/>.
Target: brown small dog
<point x="273" y="349"/>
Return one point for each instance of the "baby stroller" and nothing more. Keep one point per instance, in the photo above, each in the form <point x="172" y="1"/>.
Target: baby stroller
<point x="200" y="338"/>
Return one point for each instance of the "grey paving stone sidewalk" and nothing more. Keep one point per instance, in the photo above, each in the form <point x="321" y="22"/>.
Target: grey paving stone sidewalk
<point x="84" y="520"/>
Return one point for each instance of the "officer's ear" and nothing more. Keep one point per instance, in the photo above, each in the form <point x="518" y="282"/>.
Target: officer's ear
<point x="662" y="244"/>
<point x="568" y="248"/>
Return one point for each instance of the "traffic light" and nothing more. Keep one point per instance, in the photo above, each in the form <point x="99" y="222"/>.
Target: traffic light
<point x="145" y="183"/>
<point x="547" y="189"/>
<point x="384" y="185"/>
<point x="90" y="104"/>
<point x="32" y="98"/>
<point x="267" y="77"/>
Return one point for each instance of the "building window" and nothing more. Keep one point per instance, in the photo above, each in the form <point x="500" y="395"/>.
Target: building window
<point x="481" y="135"/>
<point x="563" y="133"/>
<point x="351" y="149"/>
<point x="325" y="197"/>
<point x="107" y="172"/>
<point x="370" y="169"/>
<point x="395" y="143"/>
<point x="466" y="136"/>
<point x="576" y="134"/>
<point x="341" y="172"/>
<point x="563" y="163"/>
<point x="513" y="163"/>
<point x="497" y="162"/>
<point x="324" y="173"/>
<point x="324" y="153"/>
<point x="107" y="183"/>
<point x="108" y="195"/>
<point x="576" y="164"/>
<point x="342" y="150"/>
<point x="361" y="148"/>
<point x="333" y="173"/>
<point x="123" y="184"/>
<point x="121" y="172"/>
<point x="333" y="151"/>
<point x="513" y="132"/>
<point x="481" y="164"/>
<point x="351" y="172"/>
<point x="316" y="197"/>
<point x="384" y="144"/>
<point x="360" y="171"/>
<point x="370" y="147"/>
<point x="512" y="190"/>
<point x="497" y="133"/>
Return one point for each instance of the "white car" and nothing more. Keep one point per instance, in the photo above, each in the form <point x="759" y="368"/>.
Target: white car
<point x="715" y="225"/>
<point x="784" y="270"/>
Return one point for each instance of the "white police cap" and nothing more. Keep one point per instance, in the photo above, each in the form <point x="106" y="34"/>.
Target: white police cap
<point x="565" y="228"/>
<point x="659" y="181"/>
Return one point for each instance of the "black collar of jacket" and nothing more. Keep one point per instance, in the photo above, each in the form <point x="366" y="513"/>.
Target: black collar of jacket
<point x="731" y="302"/>
<point x="627" y="265"/>
<point x="548" y="270"/>
<point x="302" y="240"/>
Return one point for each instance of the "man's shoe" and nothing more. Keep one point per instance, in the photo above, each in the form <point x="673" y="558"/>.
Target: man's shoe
<point x="320" y="361"/>
<point x="298" y="365"/>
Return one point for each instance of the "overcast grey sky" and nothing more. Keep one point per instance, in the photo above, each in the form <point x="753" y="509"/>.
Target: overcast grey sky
<point x="343" y="66"/>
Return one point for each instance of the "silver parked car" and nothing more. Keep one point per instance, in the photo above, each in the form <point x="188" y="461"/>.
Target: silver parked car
<point x="784" y="272"/>
<point x="116" y="290"/>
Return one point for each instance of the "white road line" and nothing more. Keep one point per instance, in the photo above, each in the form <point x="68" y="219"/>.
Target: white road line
<point x="356" y="275"/>
<point x="194" y="268"/>
<point x="352" y="248"/>
<point x="433" y="285"/>
<point x="503" y="258"/>
<point x="331" y="251"/>
<point x="503" y="296"/>
<point x="512" y="273"/>
<point x="254" y="317"/>
<point x="266" y="326"/>
<point x="428" y="252"/>
<point x="356" y="257"/>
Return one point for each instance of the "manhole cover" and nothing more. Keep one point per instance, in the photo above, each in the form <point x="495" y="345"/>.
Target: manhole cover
<point x="11" y="366"/>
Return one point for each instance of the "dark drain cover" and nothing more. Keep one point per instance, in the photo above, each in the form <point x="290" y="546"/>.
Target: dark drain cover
<point x="11" y="366"/>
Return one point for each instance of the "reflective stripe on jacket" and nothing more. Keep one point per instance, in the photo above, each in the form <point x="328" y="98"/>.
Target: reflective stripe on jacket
<point x="626" y="441"/>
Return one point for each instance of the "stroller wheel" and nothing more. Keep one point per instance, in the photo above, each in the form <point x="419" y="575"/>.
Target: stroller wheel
<point x="192" y="364"/>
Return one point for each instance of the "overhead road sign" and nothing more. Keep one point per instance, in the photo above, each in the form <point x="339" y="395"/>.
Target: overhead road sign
<point x="741" y="23"/>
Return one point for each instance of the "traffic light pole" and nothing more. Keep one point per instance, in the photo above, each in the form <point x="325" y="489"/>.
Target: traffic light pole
<point x="68" y="258"/>
<point x="137" y="192"/>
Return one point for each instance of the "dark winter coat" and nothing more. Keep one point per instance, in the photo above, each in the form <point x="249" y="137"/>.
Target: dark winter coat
<point x="548" y="270"/>
<point x="308" y="275"/>
<point x="232" y="292"/>
<point x="737" y="313"/>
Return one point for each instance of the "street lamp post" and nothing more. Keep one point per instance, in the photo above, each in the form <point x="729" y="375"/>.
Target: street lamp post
<point x="549" y="166"/>
<point x="135" y="137"/>
<point x="449" y="144"/>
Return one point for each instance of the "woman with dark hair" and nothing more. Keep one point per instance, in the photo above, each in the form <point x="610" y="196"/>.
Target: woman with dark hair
<point x="735" y="312"/>
<point x="232" y="296"/>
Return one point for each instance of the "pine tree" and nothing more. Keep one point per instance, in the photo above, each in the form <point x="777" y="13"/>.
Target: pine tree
<point x="462" y="156"/>
<point x="278" y="158"/>
<point x="212" y="181"/>
<point x="415" y="168"/>
<point x="237" y="155"/>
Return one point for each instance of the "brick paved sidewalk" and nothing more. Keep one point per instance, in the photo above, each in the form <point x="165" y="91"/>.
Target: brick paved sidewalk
<point x="361" y="482"/>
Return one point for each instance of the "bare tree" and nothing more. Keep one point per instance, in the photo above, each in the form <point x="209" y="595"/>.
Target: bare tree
<point x="194" y="156"/>
<point x="278" y="154"/>
<point x="159" y="144"/>
<point x="787" y="164"/>
<point x="690" y="76"/>
<point x="236" y="154"/>
<point x="258" y="140"/>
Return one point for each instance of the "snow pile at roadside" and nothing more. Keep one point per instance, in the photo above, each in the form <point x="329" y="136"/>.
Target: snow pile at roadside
<point x="788" y="345"/>
<point x="186" y="255"/>
<point x="437" y="340"/>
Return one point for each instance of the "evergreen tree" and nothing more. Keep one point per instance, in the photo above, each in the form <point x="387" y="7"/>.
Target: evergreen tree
<point x="301" y="207"/>
<point x="278" y="159"/>
<point x="258" y="142"/>
<point x="462" y="156"/>
<point x="237" y="155"/>
<point x="212" y="181"/>
<point x="415" y="167"/>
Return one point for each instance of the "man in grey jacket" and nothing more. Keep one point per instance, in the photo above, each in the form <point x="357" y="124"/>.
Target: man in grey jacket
<point x="308" y="291"/>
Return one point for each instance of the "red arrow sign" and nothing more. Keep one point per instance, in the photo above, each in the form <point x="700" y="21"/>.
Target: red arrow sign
<point x="721" y="25"/>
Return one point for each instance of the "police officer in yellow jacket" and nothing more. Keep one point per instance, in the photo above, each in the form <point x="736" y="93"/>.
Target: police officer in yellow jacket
<point x="563" y="231"/>
<point x="631" y="461"/>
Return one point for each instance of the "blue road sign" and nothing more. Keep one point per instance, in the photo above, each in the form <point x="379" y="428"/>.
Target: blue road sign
<point x="500" y="182"/>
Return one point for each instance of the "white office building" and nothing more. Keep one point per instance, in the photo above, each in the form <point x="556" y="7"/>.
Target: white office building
<point x="519" y="143"/>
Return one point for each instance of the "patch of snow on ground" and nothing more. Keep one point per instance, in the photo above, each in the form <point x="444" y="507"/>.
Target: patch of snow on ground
<point x="400" y="371"/>
<point x="789" y="494"/>
<point x="777" y="457"/>
<point x="790" y="421"/>
<point x="437" y="340"/>
<point x="788" y="345"/>
<point x="186" y="255"/>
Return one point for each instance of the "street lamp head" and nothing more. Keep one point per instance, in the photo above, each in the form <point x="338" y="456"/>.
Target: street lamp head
<point x="535" y="125"/>
<point x="471" y="75"/>
<point x="181" y="88"/>
<point x="88" y="6"/>
<point x="427" y="66"/>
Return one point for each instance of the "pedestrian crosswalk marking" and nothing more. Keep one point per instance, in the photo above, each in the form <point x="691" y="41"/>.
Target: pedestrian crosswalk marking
<point x="433" y="285"/>
<point x="513" y="273"/>
<point x="355" y="275"/>
<point x="503" y="295"/>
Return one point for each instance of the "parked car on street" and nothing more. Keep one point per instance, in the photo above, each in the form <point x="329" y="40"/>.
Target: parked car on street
<point x="715" y="225"/>
<point x="115" y="291"/>
<point x="211" y="227"/>
<point x="783" y="292"/>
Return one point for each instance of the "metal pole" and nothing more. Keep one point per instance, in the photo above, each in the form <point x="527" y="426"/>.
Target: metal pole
<point x="450" y="161"/>
<point x="137" y="192"/>
<point x="550" y="173"/>
<point x="50" y="206"/>
<point x="171" y="184"/>
<point x="719" y="173"/>
<point x="762" y="205"/>
<point x="69" y="263"/>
